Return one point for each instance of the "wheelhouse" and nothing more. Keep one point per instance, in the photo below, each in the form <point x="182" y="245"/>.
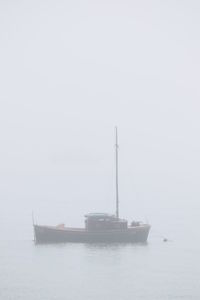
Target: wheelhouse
<point x="102" y="221"/>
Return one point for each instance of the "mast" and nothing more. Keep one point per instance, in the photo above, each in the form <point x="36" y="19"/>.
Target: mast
<point x="116" y="169"/>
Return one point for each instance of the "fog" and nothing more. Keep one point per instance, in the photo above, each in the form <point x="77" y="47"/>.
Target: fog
<point x="70" y="72"/>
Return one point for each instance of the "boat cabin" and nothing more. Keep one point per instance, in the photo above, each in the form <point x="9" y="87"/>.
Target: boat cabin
<point x="102" y="221"/>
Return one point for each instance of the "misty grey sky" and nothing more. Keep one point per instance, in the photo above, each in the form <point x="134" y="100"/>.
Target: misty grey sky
<point x="72" y="70"/>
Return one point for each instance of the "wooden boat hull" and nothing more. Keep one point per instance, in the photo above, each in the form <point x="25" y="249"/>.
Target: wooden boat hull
<point x="47" y="234"/>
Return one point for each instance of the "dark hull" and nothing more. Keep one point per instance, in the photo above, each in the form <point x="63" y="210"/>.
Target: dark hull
<point x="47" y="234"/>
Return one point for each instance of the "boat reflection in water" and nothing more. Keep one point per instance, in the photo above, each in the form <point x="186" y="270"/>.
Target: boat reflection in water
<point x="99" y="227"/>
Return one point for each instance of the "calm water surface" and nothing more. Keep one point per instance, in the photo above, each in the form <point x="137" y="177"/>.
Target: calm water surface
<point x="156" y="270"/>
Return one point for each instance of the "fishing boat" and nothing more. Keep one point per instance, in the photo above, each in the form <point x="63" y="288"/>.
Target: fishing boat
<point x="99" y="227"/>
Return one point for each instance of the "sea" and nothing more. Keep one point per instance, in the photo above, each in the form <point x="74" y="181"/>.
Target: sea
<point x="155" y="270"/>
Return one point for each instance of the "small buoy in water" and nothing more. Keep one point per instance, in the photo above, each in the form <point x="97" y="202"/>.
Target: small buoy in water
<point x="165" y="240"/>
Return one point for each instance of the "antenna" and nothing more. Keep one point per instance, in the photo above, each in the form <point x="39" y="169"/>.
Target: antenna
<point x="116" y="169"/>
<point x="34" y="238"/>
<point x="33" y="222"/>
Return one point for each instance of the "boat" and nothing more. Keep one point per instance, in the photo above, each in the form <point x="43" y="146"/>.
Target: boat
<point x="99" y="227"/>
